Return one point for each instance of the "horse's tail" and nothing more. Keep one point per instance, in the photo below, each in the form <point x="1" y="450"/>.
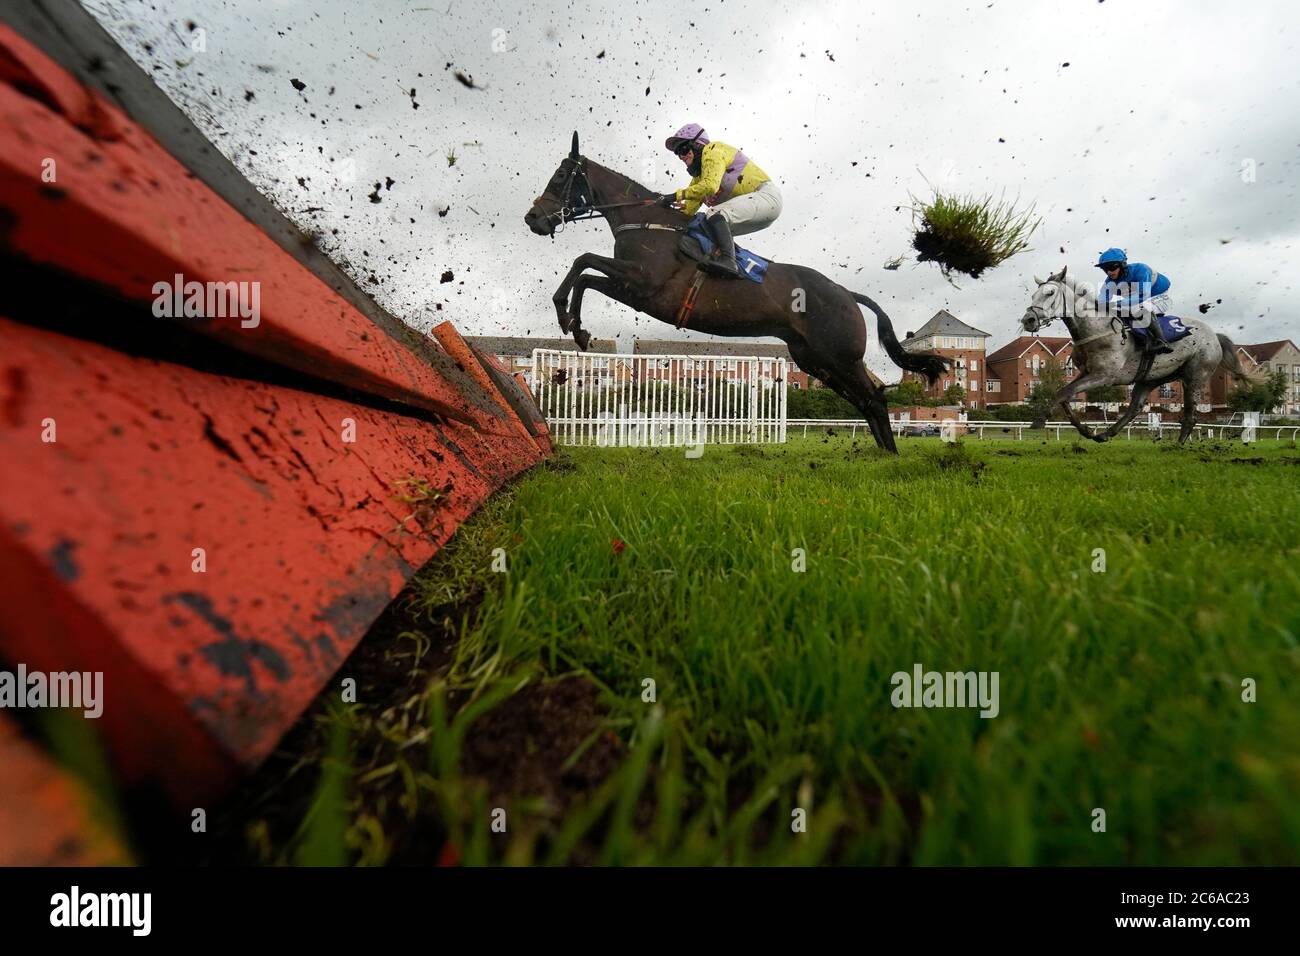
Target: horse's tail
<point x="1229" y="361"/>
<point x="923" y="363"/>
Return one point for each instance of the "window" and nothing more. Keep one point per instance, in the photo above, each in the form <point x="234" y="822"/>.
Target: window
<point x="794" y="385"/>
<point x="974" y="385"/>
<point x="974" y="365"/>
<point x="992" y="385"/>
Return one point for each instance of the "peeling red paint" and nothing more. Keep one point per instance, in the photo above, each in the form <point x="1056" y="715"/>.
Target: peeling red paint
<point x="310" y="511"/>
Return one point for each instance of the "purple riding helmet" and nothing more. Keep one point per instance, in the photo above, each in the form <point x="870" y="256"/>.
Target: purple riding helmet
<point x="690" y="133"/>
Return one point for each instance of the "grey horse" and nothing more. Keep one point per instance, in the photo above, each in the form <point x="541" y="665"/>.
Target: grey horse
<point x="1107" y="357"/>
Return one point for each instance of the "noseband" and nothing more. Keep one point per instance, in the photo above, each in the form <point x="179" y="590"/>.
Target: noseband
<point x="572" y="208"/>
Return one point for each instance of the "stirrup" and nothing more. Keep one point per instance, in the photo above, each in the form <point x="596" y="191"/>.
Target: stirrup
<point x="721" y="267"/>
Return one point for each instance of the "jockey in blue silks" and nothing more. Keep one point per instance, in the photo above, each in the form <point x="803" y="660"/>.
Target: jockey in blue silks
<point x="1137" y="293"/>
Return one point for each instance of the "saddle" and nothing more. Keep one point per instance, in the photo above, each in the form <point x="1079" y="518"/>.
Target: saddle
<point x="697" y="244"/>
<point x="1171" y="325"/>
<point x="1173" y="329"/>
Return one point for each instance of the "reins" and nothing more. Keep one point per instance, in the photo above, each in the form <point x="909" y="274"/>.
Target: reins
<point x="585" y="210"/>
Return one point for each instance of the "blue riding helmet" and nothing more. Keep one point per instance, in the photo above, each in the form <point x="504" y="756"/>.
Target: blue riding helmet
<point x="1112" y="255"/>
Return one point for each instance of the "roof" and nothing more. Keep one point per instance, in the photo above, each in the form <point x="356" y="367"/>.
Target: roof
<point x="523" y="346"/>
<point x="944" y="322"/>
<point x="1266" y="350"/>
<point x="1019" y="346"/>
<point x="680" y="347"/>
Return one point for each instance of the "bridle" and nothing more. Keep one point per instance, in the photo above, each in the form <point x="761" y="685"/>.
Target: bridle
<point x="574" y="208"/>
<point x="1043" y="319"/>
<point x="1040" y="315"/>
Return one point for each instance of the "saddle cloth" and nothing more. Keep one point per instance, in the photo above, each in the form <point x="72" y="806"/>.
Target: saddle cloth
<point x="1171" y="325"/>
<point x="699" y="246"/>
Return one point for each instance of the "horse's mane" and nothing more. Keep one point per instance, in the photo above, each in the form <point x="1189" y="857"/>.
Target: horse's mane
<point x="1080" y="291"/>
<point x="638" y="191"/>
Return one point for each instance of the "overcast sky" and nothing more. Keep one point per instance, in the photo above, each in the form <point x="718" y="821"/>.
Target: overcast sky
<point x="1169" y="129"/>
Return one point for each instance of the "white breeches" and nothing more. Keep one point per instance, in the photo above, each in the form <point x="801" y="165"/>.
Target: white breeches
<point x="752" y="211"/>
<point x="1144" y="312"/>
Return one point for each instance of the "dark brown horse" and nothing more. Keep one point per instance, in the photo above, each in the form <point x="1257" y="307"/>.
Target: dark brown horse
<point x="819" y="320"/>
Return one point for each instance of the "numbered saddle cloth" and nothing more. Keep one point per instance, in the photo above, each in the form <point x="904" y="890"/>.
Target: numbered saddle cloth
<point x="1171" y="325"/>
<point x="698" y="244"/>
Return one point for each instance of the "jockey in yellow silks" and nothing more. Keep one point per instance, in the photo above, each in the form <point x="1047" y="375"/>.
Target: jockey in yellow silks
<point x="740" y="196"/>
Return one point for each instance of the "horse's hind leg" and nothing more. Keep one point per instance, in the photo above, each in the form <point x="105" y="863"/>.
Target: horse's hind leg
<point x="1191" y="395"/>
<point x="854" y="385"/>
<point x="808" y="360"/>
<point x="847" y="376"/>
<point x="871" y="399"/>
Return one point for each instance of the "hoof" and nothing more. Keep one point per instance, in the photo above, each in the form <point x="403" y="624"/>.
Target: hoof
<point x="566" y="324"/>
<point x="583" y="338"/>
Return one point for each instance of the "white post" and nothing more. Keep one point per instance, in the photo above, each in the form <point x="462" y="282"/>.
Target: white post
<point x="1249" y="425"/>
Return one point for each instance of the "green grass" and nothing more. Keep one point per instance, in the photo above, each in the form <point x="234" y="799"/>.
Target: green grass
<point x="1119" y="690"/>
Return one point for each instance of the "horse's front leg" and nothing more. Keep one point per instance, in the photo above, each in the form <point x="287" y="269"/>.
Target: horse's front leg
<point x="615" y="268"/>
<point x="1139" y="398"/>
<point x="1081" y="384"/>
<point x="602" y="284"/>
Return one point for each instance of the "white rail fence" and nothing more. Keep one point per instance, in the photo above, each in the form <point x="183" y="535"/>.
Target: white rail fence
<point x="1203" y="429"/>
<point x="618" y="400"/>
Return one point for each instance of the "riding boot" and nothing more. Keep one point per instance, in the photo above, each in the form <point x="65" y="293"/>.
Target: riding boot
<point x="723" y="262"/>
<point x="1156" y="338"/>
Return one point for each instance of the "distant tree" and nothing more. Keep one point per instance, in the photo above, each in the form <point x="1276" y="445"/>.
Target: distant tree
<point x="818" y="403"/>
<point x="908" y="392"/>
<point x="1050" y="381"/>
<point x="954" y="394"/>
<point x="1259" y="395"/>
<point x="1106" y="394"/>
<point x="1006" y="413"/>
<point x="1275" y="389"/>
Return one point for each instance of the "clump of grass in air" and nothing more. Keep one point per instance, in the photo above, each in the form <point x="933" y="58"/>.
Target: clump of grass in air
<point x="969" y="233"/>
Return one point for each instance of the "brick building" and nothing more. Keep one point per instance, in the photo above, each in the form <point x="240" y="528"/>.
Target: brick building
<point x="1222" y="384"/>
<point x="1282" y="357"/>
<point x="962" y="346"/>
<point x="797" y="378"/>
<point x="515" y="352"/>
<point x="739" y="349"/>
<point x="1016" y="368"/>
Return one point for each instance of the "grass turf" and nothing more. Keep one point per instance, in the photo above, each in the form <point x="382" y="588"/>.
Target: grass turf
<point x="1120" y="690"/>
